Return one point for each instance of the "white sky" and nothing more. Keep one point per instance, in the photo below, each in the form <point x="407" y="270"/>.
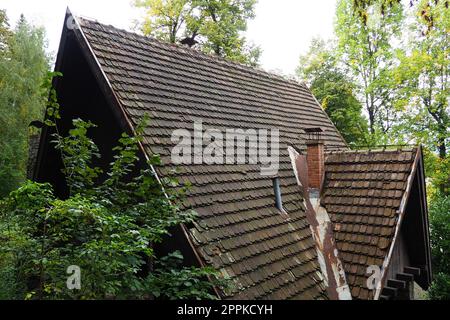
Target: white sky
<point x="283" y="28"/>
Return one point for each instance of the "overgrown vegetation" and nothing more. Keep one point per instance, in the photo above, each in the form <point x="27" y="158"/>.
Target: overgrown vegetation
<point x="106" y="228"/>
<point x="440" y="246"/>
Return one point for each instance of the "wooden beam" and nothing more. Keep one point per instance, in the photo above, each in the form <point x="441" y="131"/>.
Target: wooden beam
<point x="414" y="271"/>
<point x="389" y="291"/>
<point x="405" y="277"/>
<point x="398" y="284"/>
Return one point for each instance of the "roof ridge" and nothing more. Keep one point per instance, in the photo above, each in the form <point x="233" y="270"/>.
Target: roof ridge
<point x="184" y="49"/>
<point x="368" y="151"/>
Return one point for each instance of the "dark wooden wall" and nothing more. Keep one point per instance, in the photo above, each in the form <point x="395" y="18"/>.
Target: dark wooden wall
<point x="400" y="258"/>
<point x="80" y="97"/>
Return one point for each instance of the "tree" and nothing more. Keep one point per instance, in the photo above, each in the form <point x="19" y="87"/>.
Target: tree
<point x="23" y="66"/>
<point x="361" y="8"/>
<point x="165" y="20"/>
<point x="365" y="46"/>
<point x="320" y="69"/>
<point x="424" y="79"/>
<point x="424" y="76"/>
<point x="440" y="246"/>
<point x="5" y="33"/>
<point x="421" y="78"/>
<point x="215" y="26"/>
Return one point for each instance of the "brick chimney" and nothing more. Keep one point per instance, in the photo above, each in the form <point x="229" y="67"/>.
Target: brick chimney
<point x="315" y="157"/>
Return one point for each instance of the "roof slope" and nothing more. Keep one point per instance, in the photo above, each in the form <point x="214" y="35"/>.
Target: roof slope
<point x="240" y="232"/>
<point x="362" y="193"/>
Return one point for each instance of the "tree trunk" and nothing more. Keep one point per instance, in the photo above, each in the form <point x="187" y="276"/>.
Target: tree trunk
<point x="442" y="149"/>
<point x="443" y="155"/>
<point x="371" y="122"/>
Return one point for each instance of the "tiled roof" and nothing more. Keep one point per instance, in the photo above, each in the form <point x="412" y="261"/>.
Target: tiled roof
<point x="239" y="231"/>
<point x="362" y="194"/>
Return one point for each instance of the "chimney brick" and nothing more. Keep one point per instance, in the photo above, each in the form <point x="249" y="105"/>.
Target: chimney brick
<point x="316" y="163"/>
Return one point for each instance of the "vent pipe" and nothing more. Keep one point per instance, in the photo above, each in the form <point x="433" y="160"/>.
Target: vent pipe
<point x="277" y="190"/>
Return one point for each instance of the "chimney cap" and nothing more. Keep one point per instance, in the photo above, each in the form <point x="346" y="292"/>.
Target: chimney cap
<point x="314" y="135"/>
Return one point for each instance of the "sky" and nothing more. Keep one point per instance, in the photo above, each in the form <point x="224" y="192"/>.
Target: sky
<point x="283" y="28"/>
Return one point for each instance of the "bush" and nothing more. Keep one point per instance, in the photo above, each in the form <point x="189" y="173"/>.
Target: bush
<point x="440" y="288"/>
<point x="107" y="229"/>
<point x="440" y="246"/>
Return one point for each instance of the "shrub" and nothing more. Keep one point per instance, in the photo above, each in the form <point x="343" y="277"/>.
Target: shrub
<point x="107" y="229"/>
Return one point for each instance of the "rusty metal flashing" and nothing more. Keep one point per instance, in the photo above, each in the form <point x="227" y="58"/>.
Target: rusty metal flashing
<point x="401" y="213"/>
<point x="93" y="61"/>
<point x="322" y="231"/>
